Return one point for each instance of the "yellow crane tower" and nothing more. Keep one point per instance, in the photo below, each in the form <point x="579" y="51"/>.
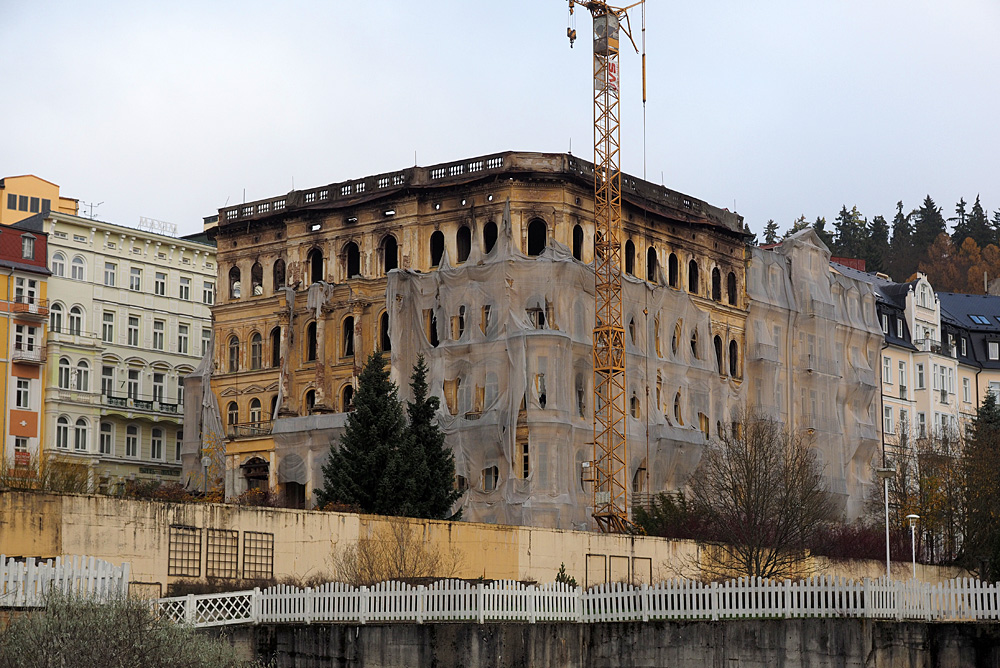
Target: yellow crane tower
<point x="609" y="468"/>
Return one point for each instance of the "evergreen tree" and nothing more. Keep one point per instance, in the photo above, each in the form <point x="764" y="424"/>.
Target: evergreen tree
<point x="771" y="232"/>
<point x="800" y="224"/>
<point x="981" y="466"/>
<point x="851" y="233"/>
<point x="902" y="259"/>
<point x="979" y="227"/>
<point x="929" y="224"/>
<point x="877" y="251"/>
<point x="424" y="437"/>
<point x="960" y="223"/>
<point x="820" y="228"/>
<point x="354" y="474"/>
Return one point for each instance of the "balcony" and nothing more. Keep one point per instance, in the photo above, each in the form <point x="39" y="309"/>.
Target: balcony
<point x="765" y="351"/>
<point x="28" y="353"/>
<point x="249" y="429"/>
<point x="30" y="307"/>
<point x="934" y="346"/>
<point x="134" y="403"/>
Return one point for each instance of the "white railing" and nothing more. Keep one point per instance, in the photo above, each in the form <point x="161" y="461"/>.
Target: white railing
<point x="26" y="583"/>
<point x="455" y="600"/>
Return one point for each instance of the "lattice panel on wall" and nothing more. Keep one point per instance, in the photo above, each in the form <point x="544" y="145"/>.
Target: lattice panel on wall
<point x="258" y="554"/>
<point x="184" y="551"/>
<point x="222" y="553"/>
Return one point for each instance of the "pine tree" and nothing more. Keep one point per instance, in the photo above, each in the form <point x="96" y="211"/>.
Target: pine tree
<point x="851" y="234"/>
<point x="424" y="437"/>
<point x="820" y="228"/>
<point x="929" y="224"/>
<point x="902" y="260"/>
<point x="961" y="223"/>
<point x="800" y="224"/>
<point x="771" y="232"/>
<point x="877" y="251"/>
<point x="979" y="227"/>
<point x="355" y="472"/>
<point x="981" y="466"/>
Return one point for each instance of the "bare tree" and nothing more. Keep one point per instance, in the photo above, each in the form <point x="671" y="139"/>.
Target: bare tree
<point x="397" y="551"/>
<point x="760" y="493"/>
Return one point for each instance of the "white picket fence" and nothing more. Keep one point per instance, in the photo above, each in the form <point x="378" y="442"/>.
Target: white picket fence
<point x="26" y="583"/>
<point x="455" y="600"/>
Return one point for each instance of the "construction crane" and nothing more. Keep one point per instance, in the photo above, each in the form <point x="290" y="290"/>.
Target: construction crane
<point x="609" y="470"/>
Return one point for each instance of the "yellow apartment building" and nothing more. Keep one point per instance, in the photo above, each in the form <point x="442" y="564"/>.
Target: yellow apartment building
<point x="24" y="196"/>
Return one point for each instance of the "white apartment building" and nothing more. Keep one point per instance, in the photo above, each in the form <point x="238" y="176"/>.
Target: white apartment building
<point x="129" y="317"/>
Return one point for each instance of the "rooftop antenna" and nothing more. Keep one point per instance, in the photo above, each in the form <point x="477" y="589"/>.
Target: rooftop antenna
<point x="91" y="206"/>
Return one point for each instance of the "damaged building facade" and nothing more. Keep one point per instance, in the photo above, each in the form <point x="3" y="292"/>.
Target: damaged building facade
<point x="485" y="266"/>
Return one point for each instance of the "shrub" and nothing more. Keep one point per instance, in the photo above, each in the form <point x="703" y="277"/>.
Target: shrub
<point x="122" y="633"/>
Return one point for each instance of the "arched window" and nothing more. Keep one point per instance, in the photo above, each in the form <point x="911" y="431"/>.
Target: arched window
<point x="58" y="264"/>
<point x="310" y="401"/>
<point x="347" y="337"/>
<point x="437" y="247"/>
<point x="232" y="413"/>
<point x="315" y="261"/>
<point x="677" y="408"/>
<point x="672" y="271"/>
<point x="257" y="279"/>
<point x="716" y="285"/>
<point x="83" y="376"/>
<point x="255" y="411"/>
<point x="489" y="236"/>
<point x="278" y="274"/>
<point x="718" y="355"/>
<point x="463" y="241"/>
<point x="64" y="373"/>
<point x="347" y="399"/>
<point x="693" y="276"/>
<point x="75" y="320"/>
<point x="537" y="237"/>
<point x="78" y="269"/>
<point x="56" y="318"/>
<point x="352" y="260"/>
<point x="694" y="345"/>
<point x="234" y="354"/>
<point x="630" y="258"/>
<point x="390" y="254"/>
<point x="256" y="351"/>
<point x="731" y="288"/>
<point x="384" y="342"/>
<point x="62" y="432"/>
<point x="311" y="342"/>
<point x="651" y="265"/>
<point x="631" y="330"/>
<point x="275" y="347"/>
<point x="274" y="407"/>
<point x="734" y="359"/>
<point x="234" y="282"/>
<point x="81" y="435"/>
<point x="578" y="243"/>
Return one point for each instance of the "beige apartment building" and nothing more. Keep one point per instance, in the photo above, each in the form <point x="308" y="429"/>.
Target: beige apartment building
<point x="129" y="317"/>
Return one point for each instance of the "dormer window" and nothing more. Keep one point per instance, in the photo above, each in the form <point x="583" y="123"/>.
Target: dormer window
<point x="899" y="328"/>
<point x="27" y="247"/>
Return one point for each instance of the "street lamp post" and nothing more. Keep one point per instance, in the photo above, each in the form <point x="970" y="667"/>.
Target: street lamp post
<point x="884" y="474"/>
<point x="913" y="519"/>
<point x="206" y="461"/>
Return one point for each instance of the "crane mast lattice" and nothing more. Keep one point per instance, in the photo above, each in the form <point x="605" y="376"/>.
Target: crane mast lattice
<point x="609" y="469"/>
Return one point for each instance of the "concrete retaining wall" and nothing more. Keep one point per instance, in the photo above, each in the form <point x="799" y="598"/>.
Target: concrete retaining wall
<point x="817" y="643"/>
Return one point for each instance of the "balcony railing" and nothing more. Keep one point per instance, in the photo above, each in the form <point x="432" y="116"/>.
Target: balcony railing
<point x="25" y="305"/>
<point x="30" y="353"/>
<point x="250" y="429"/>
<point x="155" y="405"/>
<point x="935" y="346"/>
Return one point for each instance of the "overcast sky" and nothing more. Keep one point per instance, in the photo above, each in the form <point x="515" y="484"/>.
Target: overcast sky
<point x="778" y="108"/>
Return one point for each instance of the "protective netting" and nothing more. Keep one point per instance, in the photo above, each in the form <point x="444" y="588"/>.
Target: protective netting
<point x="812" y="350"/>
<point x="513" y="364"/>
